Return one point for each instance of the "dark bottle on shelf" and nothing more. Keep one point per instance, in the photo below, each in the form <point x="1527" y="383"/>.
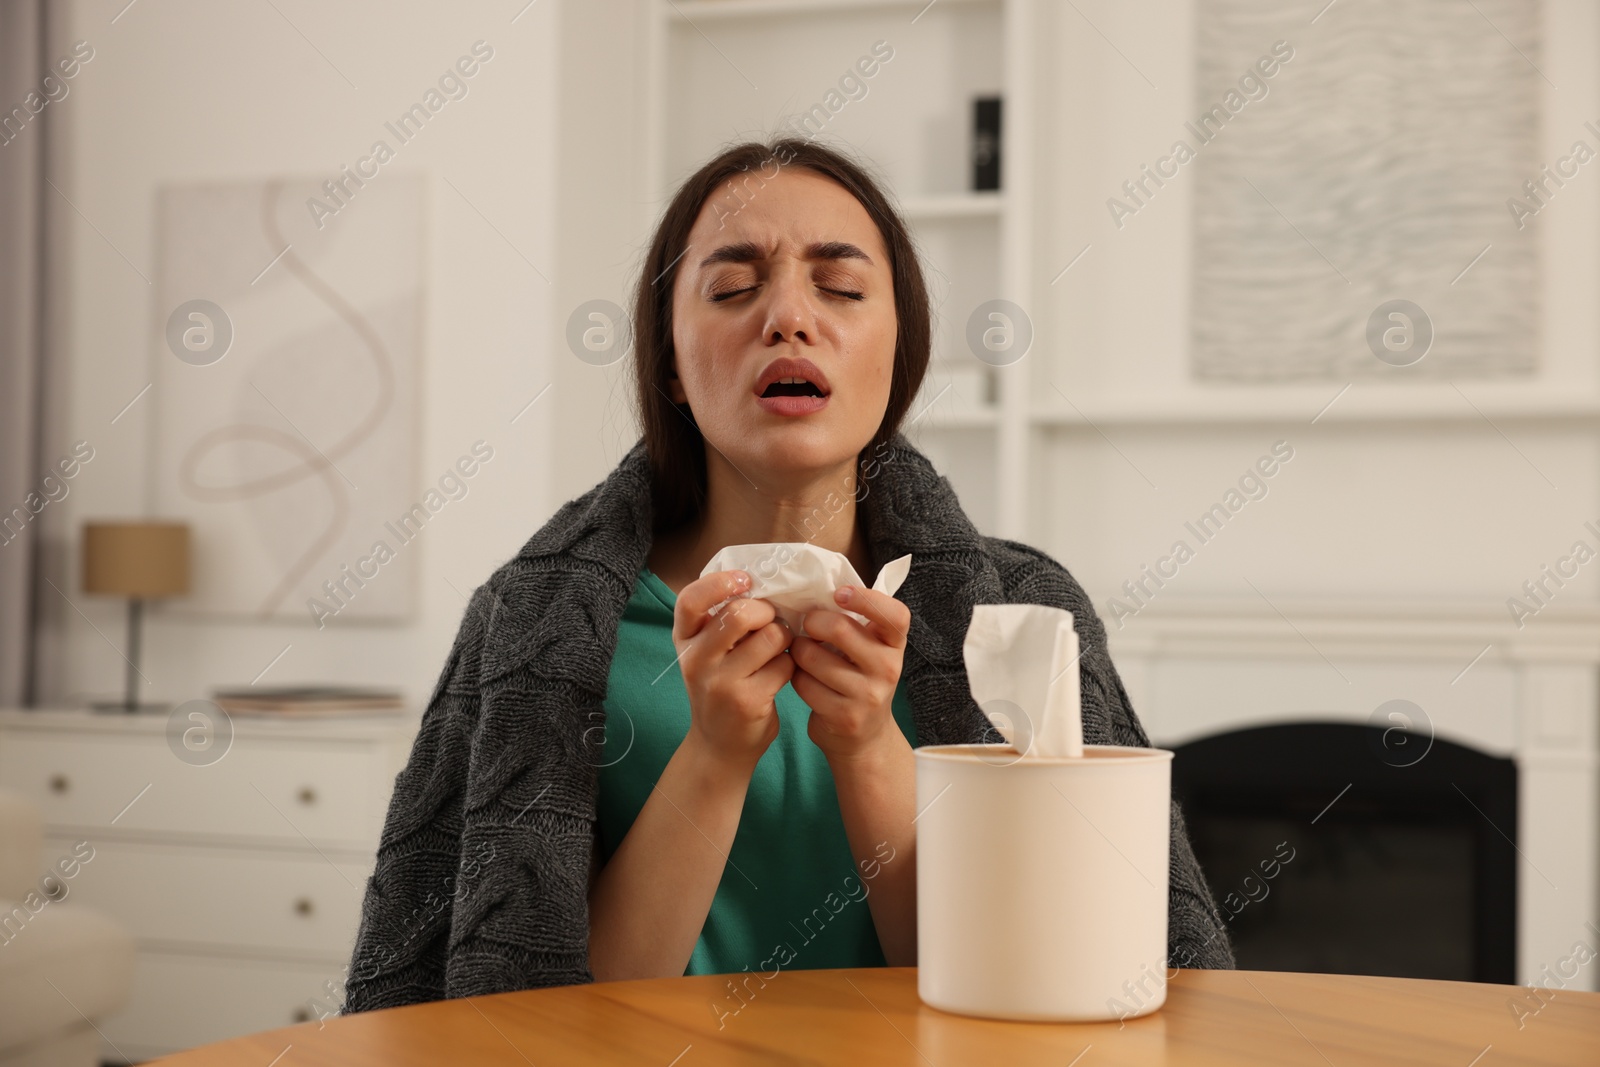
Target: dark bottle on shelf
<point x="985" y="142"/>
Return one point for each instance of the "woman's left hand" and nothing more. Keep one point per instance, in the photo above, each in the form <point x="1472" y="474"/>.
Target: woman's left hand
<point x="850" y="691"/>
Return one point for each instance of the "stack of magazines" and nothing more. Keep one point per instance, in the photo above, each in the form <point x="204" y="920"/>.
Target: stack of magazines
<point x="307" y="700"/>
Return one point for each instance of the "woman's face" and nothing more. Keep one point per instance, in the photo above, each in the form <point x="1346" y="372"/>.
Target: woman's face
<point x="792" y="268"/>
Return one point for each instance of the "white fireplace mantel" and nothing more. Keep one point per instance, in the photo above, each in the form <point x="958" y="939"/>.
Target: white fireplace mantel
<point x="1197" y="667"/>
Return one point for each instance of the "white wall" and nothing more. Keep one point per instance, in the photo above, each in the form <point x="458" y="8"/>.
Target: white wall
<point x="185" y="91"/>
<point x="602" y="225"/>
<point x="1448" y="506"/>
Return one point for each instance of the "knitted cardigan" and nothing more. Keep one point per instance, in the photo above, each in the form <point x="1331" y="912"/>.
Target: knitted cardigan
<point x="482" y="873"/>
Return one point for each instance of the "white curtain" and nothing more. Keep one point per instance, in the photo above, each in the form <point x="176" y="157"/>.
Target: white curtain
<point x="22" y="154"/>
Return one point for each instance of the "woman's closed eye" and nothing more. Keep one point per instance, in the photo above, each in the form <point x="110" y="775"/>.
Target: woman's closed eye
<point x="847" y="294"/>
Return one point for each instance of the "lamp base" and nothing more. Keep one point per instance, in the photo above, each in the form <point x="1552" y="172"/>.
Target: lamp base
<point x="122" y="707"/>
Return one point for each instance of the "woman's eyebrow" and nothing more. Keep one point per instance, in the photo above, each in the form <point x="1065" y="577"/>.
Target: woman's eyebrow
<point x="747" y="251"/>
<point x="835" y="250"/>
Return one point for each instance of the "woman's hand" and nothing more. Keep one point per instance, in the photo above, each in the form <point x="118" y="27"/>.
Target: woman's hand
<point x="649" y="903"/>
<point x="733" y="665"/>
<point x="850" y="691"/>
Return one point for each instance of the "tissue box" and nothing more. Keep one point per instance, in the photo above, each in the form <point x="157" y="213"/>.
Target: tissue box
<point x="1042" y="883"/>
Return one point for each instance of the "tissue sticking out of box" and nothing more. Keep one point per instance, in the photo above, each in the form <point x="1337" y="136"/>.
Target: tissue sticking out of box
<point x="797" y="577"/>
<point x="1022" y="664"/>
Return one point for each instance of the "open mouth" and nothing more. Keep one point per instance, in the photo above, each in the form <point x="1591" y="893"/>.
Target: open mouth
<point x="792" y="387"/>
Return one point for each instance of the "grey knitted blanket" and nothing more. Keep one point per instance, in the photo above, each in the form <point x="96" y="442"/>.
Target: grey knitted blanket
<point x="482" y="873"/>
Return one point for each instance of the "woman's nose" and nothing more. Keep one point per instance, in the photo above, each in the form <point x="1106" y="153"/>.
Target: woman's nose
<point x="791" y="314"/>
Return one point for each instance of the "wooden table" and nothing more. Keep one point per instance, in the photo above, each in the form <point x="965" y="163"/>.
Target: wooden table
<point x="873" y="1016"/>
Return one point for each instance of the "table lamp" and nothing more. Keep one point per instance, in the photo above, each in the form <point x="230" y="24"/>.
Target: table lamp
<point x="141" y="561"/>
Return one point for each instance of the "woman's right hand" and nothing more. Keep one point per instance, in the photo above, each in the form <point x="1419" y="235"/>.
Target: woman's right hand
<point x="733" y="663"/>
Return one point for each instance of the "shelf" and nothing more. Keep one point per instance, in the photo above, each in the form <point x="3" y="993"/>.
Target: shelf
<point x="710" y="10"/>
<point x="256" y="727"/>
<point x="952" y="206"/>
<point x="1303" y="404"/>
<point x="1276" y="411"/>
<point x="1366" y="627"/>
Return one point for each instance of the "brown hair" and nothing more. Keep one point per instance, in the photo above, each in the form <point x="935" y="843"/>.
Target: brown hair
<point x="672" y="440"/>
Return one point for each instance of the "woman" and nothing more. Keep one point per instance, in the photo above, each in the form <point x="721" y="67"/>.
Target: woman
<point x="629" y="769"/>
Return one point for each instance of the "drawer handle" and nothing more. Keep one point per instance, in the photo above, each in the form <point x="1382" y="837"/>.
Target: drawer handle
<point x="303" y="906"/>
<point x="59" y="783"/>
<point x="307" y="795"/>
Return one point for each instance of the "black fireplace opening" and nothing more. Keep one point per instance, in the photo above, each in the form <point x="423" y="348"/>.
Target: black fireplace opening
<point x="1350" y="849"/>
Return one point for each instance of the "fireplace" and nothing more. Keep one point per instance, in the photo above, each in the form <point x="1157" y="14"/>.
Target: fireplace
<point x="1343" y="847"/>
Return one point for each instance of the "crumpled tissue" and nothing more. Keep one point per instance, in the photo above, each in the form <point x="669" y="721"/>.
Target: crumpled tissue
<point x="797" y="577"/>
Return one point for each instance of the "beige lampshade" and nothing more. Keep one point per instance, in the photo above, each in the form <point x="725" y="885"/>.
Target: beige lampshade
<point x="136" y="559"/>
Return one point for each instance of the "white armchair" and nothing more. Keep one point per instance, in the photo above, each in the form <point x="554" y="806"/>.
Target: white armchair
<point x="62" y="966"/>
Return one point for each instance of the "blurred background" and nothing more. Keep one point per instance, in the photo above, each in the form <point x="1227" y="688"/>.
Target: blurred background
<point x="1275" y="323"/>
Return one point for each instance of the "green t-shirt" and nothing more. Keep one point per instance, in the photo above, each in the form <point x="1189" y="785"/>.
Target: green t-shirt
<point x="790" y="879"/>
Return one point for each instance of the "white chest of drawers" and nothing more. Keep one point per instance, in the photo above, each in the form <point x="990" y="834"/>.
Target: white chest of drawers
<point x="240" y="879"/>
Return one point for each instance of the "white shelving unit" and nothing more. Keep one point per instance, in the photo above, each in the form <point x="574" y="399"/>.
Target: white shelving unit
<point x="913" y="126"/>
